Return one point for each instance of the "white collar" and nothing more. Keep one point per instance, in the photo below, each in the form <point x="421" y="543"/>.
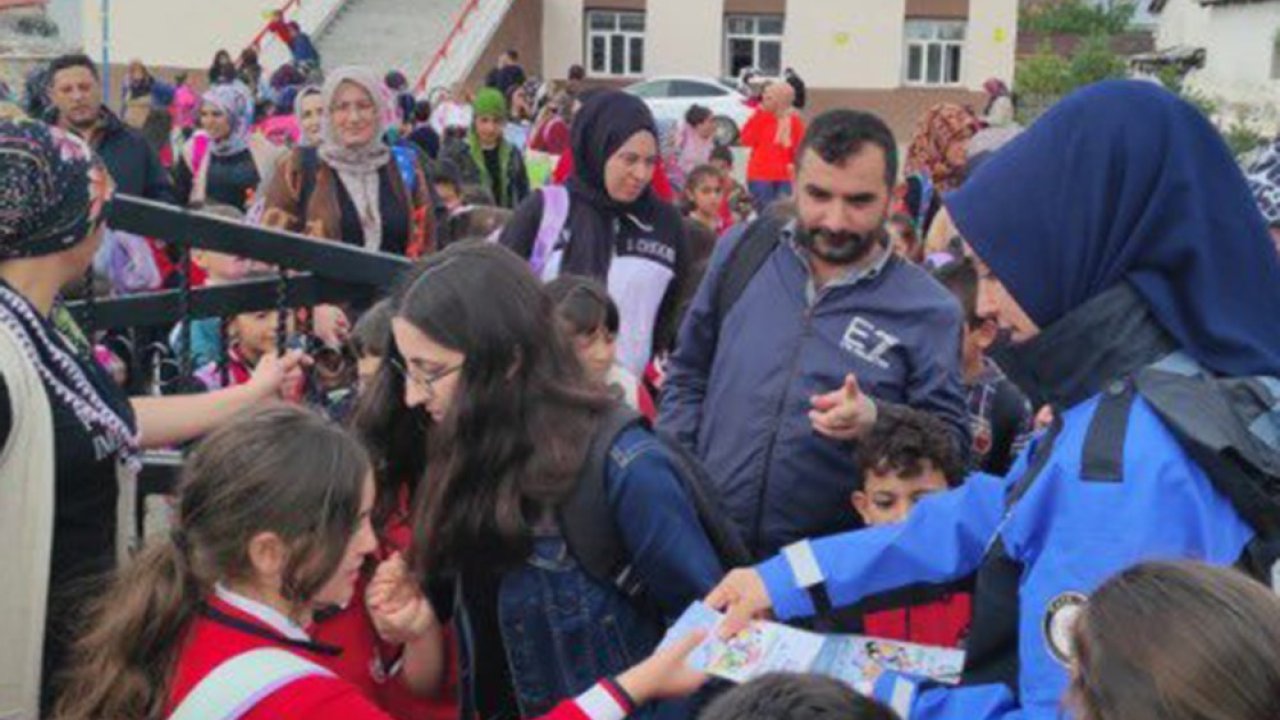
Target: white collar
<point x="262" y="612"/>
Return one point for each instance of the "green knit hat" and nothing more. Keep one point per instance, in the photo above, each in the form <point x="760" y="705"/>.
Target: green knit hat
<point x="489" y="103"/>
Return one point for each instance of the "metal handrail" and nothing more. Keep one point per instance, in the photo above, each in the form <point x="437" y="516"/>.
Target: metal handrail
<point x="467" y="9"/>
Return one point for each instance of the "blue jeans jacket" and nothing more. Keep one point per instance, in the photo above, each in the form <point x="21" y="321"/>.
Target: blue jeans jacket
<point x="562" y="629"/>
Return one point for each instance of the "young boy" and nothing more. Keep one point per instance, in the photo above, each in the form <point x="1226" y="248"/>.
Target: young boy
<point x="907" y="456"/>
<point x="486" y="158"/>
<point x="736" y="205"/>
<point x="1000" y="415"/>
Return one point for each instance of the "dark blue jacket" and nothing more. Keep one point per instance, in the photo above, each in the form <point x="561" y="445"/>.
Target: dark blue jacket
<point x="738" y="391"/>
<point x="133" y="165"/>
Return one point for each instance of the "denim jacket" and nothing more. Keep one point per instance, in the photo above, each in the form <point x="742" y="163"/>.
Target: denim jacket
<point x="562" y="629"/>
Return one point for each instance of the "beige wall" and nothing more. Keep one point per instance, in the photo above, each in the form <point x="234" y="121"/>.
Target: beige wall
<point x="991" y="39"/>
<point x="684" y="37"/>
<point x="561" y="36"/>
<point x="853" y="43"/>
<point x="184" y="33"/>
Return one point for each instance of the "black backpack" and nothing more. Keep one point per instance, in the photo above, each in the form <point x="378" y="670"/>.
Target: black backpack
<point x="745" y="260"/>
<point x="588" y="523"/>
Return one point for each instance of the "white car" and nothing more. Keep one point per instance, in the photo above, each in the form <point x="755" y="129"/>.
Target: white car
<point x="669" y="97"/>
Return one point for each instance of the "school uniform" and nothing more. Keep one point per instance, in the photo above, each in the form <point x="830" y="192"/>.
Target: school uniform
<point x="230" y="625"/>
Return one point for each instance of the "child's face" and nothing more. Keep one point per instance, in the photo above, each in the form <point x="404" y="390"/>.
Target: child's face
<point x="256" y="333"/>
<point x="221" y="268"/>
<point x="341" y="585"/>
<point x="597" y="351"/>
<point x="489" y="130"/>
<point x="449" y="195"/>
<point x="904" y="239"/>
<point x="707" y="129"/>
<point x="889" y="498"/>
<point x="706" y="196"/>
<point x="979" y="335"/>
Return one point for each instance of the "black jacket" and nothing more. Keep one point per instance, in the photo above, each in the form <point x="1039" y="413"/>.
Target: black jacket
<point x="133" y="165"/>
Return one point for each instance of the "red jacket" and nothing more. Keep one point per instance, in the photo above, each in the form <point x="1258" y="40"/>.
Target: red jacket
<point x="233" y="625"/>
<point x="769" y="160"/>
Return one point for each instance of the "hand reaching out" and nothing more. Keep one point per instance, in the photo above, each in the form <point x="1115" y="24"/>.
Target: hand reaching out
<point x="843" y="414"/>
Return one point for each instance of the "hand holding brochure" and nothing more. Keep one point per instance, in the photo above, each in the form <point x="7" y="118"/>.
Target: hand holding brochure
<point x="767" y="647"/>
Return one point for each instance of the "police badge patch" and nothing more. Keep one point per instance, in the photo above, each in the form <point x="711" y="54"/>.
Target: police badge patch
<point x="1059" y="621"/>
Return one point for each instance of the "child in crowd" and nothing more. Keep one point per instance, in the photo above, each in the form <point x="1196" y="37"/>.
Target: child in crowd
<point x="704" y="197"/>
<point x="250" y="336"/>
<point x="448" y="185"/>
<point x="907" y="456"/>
<point x="906" y="242"/>
<point x="486" y="158"/>
<point x="736" y="205"/>
<point x="693" y="145"/>
<point x="1176" y="640"/>
<point x="1000" y="416"/>
<point x="369" y="340"/>
<point x="210" y="269"/>
<point x="794" y="696"/>
<point x="212" y="621"/>
<point x="590" y="319"/>
<point x="472" y="222"/>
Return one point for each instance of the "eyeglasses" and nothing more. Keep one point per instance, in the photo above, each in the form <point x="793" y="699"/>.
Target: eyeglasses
<point x="426" y="382"/>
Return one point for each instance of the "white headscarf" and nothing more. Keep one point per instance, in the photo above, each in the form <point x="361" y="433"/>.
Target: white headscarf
<point x="357" y="166"/>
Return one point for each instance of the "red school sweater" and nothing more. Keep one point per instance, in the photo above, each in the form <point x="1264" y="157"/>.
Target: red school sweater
<point x="231" y="625"/>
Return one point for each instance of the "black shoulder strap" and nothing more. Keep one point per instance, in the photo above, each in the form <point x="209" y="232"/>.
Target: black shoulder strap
<point x="585" y="519"/>
<point x="310" y="166"/>
<point x="745" y="260"/>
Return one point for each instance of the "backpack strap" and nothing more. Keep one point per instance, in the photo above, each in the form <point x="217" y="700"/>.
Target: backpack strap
<point x="555" y="213"/>
<point x="585" y="518"/>
<point x="745" y="260"/>
<point x="310" y="167"/>
<point x="235" y="686"/>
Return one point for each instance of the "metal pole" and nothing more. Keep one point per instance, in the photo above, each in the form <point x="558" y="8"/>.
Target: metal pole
<point x="106" y="50"/>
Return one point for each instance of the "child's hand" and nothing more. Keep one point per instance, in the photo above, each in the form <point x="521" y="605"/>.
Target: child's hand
<point x="331" y="325"/>
<point x="844" y="414"/>
<point x="664" y="674"/>
<point x="400" y="612"/>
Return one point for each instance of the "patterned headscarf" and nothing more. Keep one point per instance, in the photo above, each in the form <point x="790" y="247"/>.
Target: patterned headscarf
<point x="236" y="102"/>
<point x="1264" y="182"/>
<point x="941" y="145"/>
<point x="53" y="189"/>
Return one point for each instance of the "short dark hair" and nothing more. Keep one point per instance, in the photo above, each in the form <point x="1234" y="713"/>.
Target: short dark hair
<point x="696" y="115"/>
<point x="583" y="304"/>
<point x="513" y="54"/>
<point x="794" y="696"/>
<point x="445" y="173"/>
<point x="721" y="153"/>
<point x="422" y="111"/>
<point x="836" y="134"/>
<point x="577" y="72"/>
<point x="902" y="440"/>
<point x="961" y="278"/>
<point x="72" y="60"/>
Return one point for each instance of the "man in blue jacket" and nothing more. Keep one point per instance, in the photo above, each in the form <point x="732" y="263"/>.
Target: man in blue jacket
<point x="827" y="322"/>
<point x="1117" y="245"/>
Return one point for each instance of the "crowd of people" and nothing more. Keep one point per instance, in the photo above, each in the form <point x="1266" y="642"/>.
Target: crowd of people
<point x="1016" y="394"/>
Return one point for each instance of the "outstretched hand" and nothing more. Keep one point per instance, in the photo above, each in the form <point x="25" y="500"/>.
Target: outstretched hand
<point x="846" y="413"/>
<point x="742" y="597"/>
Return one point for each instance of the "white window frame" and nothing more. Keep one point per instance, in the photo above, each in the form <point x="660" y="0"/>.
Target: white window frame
<point x="628" y="36"/>
<point x="756" y="36"/>
<point x="933" y="34"/>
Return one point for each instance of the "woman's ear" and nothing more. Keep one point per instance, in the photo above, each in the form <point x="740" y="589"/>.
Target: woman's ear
<point x="268" y="555"/>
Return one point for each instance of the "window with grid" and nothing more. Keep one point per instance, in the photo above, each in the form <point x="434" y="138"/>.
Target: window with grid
<point x="935" y="52"/>
<point x="615" y="43"/>
<point x="753" y="41"/>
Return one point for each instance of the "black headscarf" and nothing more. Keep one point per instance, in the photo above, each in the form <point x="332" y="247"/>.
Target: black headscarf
<point x="606" y="121"/>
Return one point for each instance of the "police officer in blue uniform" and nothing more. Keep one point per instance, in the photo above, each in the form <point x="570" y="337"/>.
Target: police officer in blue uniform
<point x="1119" y="247"/>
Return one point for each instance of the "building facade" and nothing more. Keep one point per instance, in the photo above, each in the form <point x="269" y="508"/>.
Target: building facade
<point x="893" y="57"/>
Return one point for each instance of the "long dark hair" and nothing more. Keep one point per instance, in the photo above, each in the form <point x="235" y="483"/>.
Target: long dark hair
<point x="511" y="443"/>
<point x="280" y="469"/>
<point x="1178" y="641"/>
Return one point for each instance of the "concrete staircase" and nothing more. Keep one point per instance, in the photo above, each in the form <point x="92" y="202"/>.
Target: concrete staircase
<point x="387" y="34"/>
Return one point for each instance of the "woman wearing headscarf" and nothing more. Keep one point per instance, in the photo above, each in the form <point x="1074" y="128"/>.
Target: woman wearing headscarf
<point x="349" y="188"/>
<point x="609" y="224"/>
<point x="225" y="162"/>
<point x="941" y="145"/>
<point x="223" y="70"/>
<point x="308" y="108"/>
<point x="1141" y="295"/>
<point x="999" y="111"/>
<point x="69" y="438"/>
